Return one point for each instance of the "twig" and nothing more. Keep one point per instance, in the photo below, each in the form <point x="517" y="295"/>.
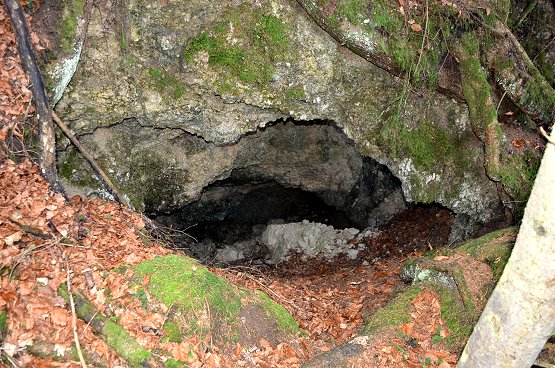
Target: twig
<point x="74" y="316"/>
<point x="10" y="359"/>
<point x="91" y="160"/>
<point x="30" y="229"/>
<point x="170" y="310"/>
<point x="209" y="322"/>
<point x="273" y="292"/>
<point x="500" y="100"/>
<point x="544" y="48"/>
<point x="89" y="323"/>
<point x="424" y="36"/>
<point x="525" y="13"/>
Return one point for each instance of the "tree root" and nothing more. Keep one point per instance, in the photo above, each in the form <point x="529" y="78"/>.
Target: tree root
<point x="114" y="335"/>
<point x="483" y="112"/>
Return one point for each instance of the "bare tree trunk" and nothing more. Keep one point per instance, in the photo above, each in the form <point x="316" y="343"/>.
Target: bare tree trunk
<point x="47" y="142"/>
<point x="520" y="314"/>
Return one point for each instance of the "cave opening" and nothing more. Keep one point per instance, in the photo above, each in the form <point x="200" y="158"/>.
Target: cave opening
<point x="294" y="187"/>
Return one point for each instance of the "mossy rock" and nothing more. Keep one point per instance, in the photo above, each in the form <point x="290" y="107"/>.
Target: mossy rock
<point x="397" y="312"/>
<point x="494" y="249"/>
<point x="209" y="306"/>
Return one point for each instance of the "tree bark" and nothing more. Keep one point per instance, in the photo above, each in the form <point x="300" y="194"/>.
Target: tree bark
<point x="47" y="142"/>
<point x="520" y="314"/>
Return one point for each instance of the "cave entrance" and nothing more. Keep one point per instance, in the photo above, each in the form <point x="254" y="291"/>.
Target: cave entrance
<point x="293" y="186"/>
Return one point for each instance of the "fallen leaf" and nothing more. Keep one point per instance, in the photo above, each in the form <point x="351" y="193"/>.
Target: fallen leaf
<point x="416" y="27"/>
<point x="407" y="328"/>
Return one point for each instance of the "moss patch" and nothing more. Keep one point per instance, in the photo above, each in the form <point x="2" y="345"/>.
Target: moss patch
<point x="397" y="312"/>
<point x="427" y="144"/>
<point x="453" y="312"/>
<point x="3" y="324"/>
<point x="295" y="93"/>
<point x="518" y="175"/>
<point x="172" y="329"/>
<point x="204" y="303"/>
<point x="394" y="313"/>
<point x="493" y="248"/>
<point x="125" y="345"/>
<point x="244" y="47"/>
<point x="284" y="320"/>
<point x="176" y="279"/>
<point x="165" y="83"/>
<point x="381" y="20"/>
<point x="73" y="9"/>
<point x="474" y="75"/>
<point x="77" y="171"/>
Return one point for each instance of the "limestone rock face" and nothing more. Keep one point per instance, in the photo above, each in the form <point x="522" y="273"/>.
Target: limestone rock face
<point x="183" y="94"/>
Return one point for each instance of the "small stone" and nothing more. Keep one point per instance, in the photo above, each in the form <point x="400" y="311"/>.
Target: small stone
<point x="352" y="253"/>
<point x="365" y="263"/>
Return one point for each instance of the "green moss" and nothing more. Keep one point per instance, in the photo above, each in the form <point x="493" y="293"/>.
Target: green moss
<point x="284" y="319"/>
<point x="474" y="76"/>
<point x="295" y="93"/>
<point x="381" y="20"/>
<point x="84" y="310"/>
<point x="395" y="313"/>
<point x="125" y="345"/>
<point x="172" y="329"/>
<point x="427" y="144"/>
<point x="180" y="280"/>
<point x="353" y="10"/>
<point x="77" y="171"/>
<point x="459" y="324"/>
<point x="425" y="192"/>
<point x="259" y="41"/>
<point x="518" y="175"/>
<point x="73" y="9"/>
<point x="171" y="363"/>
<point x="537" y="93"/>
<point x="3" y="324"/>
<point x="493" y="248"/>
<point x="545" y="68"/>
<point x="165" y="83"/>
<point x="75" y="355"/>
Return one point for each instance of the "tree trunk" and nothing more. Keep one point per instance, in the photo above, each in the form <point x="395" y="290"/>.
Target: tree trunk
<point x="47" y="142"/>
<point x="520" y="314"/>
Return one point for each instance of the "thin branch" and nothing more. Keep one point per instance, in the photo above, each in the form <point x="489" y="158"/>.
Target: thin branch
<point x="106" y="180"/>
<point x="74" y="316"/>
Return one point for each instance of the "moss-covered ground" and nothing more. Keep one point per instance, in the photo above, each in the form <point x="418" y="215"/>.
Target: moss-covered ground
<point x="203" y="303"/>
<point x="394" y="313"/>
<point x="285" y="321"/>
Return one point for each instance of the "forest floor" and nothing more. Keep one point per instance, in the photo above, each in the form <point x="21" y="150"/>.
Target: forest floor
<point x="46" y="240"/>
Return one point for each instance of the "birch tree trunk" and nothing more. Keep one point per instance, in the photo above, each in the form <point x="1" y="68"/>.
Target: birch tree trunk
<point x="520" y="314"/>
